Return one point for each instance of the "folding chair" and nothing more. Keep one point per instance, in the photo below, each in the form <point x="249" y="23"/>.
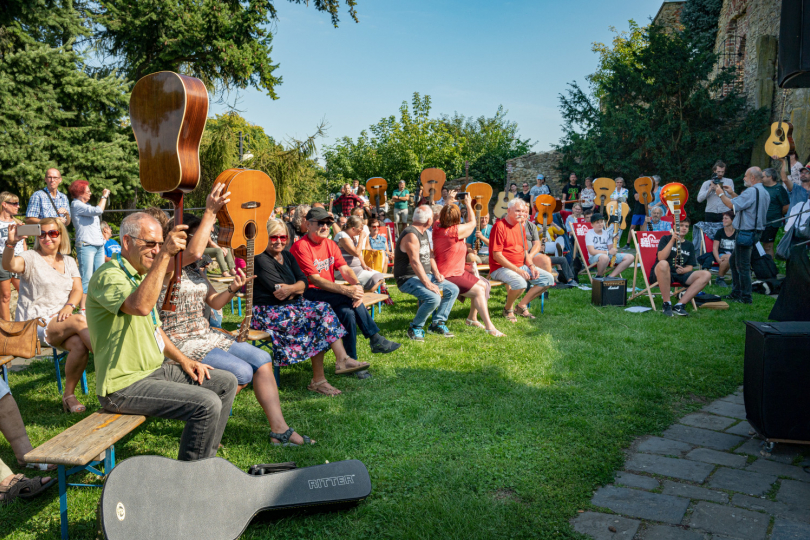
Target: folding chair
<point x="646" y="243"/>
<point x="580" y="229"/>
<point x="57" y="358"/>
<point x="708" y="247"/>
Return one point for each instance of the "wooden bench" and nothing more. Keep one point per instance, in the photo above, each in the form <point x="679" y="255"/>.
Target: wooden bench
<point x="4" y="361"/>
<point x="79" y="447"/>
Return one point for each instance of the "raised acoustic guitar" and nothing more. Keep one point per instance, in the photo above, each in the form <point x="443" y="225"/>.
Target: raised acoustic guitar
<point x="780" y="142"/>
<point x="618" y="210"/>
<point x="211" y="499"/>
<point x="432" y="183"/>
<point x="604" y="188"/>
<point x="643" y="187"/>
<point x="168" y="113"/>
<point x="502" y="206"/>
<point x="546" y="206"/>
<point x="376" y="188"/>
<point x="480" y="195"/>
<point x="243" y="223"/>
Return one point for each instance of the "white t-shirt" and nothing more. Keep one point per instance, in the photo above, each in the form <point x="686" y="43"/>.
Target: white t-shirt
<point x="600" y="242"/>
<point x="4" y="236"/>
<point x="44" y="290"/>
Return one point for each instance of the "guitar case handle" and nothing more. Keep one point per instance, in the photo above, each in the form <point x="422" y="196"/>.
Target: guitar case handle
<point x="271" y="468"/>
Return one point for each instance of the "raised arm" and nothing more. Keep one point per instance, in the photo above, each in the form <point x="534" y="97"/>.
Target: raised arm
<point x="143" y="299"/>
<point x="12" y="263"/>
<point x="213" y="204"/>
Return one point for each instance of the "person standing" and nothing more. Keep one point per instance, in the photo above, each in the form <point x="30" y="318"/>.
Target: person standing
<point x="348" y="201"/>
<point x="588" y="195"/>
<point x="49" y="201"/>
<point x="9" y="207"/>
<point x="780" y="203"/>
<point x="540" y="189"/>
<point x="400" y="199"/>
<point x="714" y="206"/>
<point x="750" y="209"/>
<point x="355" y="186"/>
<point x="89" y="240"/>
<point x="571" y="191"/>
<point x="638" y="219"/>
<point x="525" y="195"/>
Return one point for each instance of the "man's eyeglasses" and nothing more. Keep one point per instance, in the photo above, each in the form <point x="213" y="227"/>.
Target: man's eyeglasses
<point x="278" y="238"/>
<point x="148" y="244"/>
<point x="53" y="233"/>
<point x="53" y="178"/>
<point x="322" y="223"/>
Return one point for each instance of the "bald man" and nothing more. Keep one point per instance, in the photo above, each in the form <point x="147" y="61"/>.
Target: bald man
<point x="49" y="201"/>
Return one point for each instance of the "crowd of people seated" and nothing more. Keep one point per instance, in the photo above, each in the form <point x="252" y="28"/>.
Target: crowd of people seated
<point x="175" y="364"/>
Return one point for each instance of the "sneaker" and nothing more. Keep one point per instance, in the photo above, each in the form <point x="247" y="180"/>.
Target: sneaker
<point x="741" y="300"/>
<point x="416" y="334"/>
<point x="384" y="346"/>
<point x="440" y="329"/>
<point x="730" y="297"/>
<point x="680" y="310"/>
<point x="667" y="309"/>
<point x="720" y="282"/>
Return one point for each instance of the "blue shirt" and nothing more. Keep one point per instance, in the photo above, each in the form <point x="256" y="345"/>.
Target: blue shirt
<point x="484" y="248"/>
<point x="798" y="194"/>
<point x="746" y="213"/>
<point x="86" y="220"/>
<point x="111" y="248"/>
<point x="40" y="207"/>
<point x="378" y="244"/>
<point x="660" y="226"/>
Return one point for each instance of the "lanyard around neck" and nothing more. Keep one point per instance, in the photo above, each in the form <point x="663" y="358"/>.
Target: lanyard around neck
<point x="132" y="279"/>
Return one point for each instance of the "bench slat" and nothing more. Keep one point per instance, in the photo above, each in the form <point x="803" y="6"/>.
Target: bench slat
<point x="369" y="298"/>
<point x="82" y="442"/>
<point x="5" y="360"/>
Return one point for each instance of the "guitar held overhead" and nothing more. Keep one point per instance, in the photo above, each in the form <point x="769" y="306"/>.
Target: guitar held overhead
<point x="604" y="188"/>
<point x="432" y="183"/>
<point x="617" y="212"/>
<point x="376" y="188"/>
<point x="780" y="142"/>
<point x="480" y="194"/>
<point x="243" y="223"/>
<point x="644" y="187"/>
<point x="168" y="114"/>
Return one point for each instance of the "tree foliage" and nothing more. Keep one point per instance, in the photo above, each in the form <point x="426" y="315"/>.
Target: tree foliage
<point x="700" y="18"/>
<point x="658" y="112"/>
<point x="399" y="148"/>
<point x="56" y="113"/>
<point x="224" y="43"/>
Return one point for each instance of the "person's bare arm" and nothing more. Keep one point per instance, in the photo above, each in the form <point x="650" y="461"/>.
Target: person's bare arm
<point x="664" y="253"/>
<point x="32" y="220"/>
<point x="143" y="299"/>
<point x="720" y="191"/>
<point x="784" y="172"/>
<point x="213" y="204"/>
<point x="196" y="370"/>
<point x="11" y="262"/>
<point x="410" y="246"/>
<point x="217" y="300"/>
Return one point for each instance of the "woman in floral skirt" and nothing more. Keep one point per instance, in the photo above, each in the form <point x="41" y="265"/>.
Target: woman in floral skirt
<point x="299" y="329"/>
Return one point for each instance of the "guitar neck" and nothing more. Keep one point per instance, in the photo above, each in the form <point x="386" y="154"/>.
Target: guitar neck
<point x="173" y="290"/>
<point x="249" y="271"/>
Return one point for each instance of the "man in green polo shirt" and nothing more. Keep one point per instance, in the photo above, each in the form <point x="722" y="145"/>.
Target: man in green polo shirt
<point x="400" y="199"/>
<point x="130" y="347"/>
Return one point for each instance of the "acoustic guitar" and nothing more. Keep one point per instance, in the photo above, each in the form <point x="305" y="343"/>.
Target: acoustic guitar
<point x="168" y="114"/>
<point x="480" y="194"/>
<point x="780" y="142"/>
<point x="432" y="183"/>
<point x="618" y="210"/>
<point x="546" y="206"/>
<point x="376" y="187"/>
<point x="243" y="223"/>
<point x="502" y="204"/>
<point x="644" y="187"/>
<point x="604" y="188"/>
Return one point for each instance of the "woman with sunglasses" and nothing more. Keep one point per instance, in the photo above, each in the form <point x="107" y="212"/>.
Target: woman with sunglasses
<point x="50" y="289"/>
<point x="300" y="329"/>
<point x="9" y="207"/>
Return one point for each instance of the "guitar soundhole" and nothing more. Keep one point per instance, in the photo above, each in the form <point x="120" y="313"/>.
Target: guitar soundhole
<point x="780" y="133"/>
<point x="250" y="230"/>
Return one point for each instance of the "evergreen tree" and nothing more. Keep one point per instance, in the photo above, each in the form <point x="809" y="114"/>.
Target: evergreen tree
<point x="55" y="112"/>
<point x="700" y="17"/>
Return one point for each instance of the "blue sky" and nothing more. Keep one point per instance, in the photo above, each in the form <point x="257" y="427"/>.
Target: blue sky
<point x="470" y="57"/>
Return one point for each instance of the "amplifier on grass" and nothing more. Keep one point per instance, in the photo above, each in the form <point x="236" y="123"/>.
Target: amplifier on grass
<point x="776" y="379"/>
<point x="609" y="291"/>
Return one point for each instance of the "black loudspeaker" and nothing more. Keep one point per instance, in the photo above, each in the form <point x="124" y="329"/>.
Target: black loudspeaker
<point x="777" y="379"/>
<point x="609" y="291"/>
<point x="794" y="44"/>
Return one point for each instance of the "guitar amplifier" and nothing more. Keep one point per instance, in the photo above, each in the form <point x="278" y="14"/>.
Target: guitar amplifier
<point x="609" y="291"/>
<point x="776" y="379"/>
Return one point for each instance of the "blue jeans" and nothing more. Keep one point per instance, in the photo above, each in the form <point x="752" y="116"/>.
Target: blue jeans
<point x="90" y="258"/>
<point x="740" y="263"/>
<point x="429" y="301"/>
<point x="242" y="359"/>
<point x="350" y="317"/>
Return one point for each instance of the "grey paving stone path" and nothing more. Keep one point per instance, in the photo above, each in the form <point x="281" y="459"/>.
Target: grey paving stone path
<point x="707" y="477"/>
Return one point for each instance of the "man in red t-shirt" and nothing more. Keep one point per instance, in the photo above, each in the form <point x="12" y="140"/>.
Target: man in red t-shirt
<point x="509" y="261"/>
<point x="319" y="257"/>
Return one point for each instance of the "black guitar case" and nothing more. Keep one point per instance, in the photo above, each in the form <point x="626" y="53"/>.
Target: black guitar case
<point x="212" y="499"/>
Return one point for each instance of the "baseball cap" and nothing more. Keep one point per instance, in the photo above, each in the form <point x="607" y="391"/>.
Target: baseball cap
<point x="319" y="214"/>
<point x="804" y="169"/>
<point x="541" y="177"/>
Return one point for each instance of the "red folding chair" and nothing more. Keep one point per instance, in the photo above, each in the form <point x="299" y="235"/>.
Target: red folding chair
<point x="580" y="229"/>
<point x="646" y="243"/>
<point x="708" y="247"/>
<point x="392" y="232"/>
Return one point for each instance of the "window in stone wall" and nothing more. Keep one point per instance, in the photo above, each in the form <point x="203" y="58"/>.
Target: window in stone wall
<point x="732" y="54"/>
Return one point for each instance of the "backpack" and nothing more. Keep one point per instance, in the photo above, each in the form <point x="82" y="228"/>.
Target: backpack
<point x="763" y="266"/>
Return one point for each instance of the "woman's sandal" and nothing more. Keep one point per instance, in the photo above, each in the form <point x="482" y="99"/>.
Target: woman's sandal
<point x="39" y="466"/>
<point x="496" y="333"/>
<point x="524" y="312"/>
<point x="510" y="315"/>
<point x="316" y="387"/>
<point x="23" y="487"/>
<point x="72" y="408"/>
<point x="470" y="322"/>
<point x="345" y="371"/>
<point x="284" y="438"/>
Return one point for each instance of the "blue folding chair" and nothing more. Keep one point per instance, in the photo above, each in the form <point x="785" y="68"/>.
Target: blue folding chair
<point x="4" y="361"/>
<point x="57" y="358"/>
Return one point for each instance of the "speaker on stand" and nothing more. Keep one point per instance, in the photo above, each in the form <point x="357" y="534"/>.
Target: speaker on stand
<point x="794" y="45"/>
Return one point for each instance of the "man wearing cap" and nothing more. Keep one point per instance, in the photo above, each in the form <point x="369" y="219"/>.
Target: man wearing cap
<point x="797" y="182"/>
<point x="540" y="189"/>
<point x="318" y="258"/>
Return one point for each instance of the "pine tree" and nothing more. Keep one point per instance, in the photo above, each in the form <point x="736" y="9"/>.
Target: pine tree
<point x="700" y="18"/>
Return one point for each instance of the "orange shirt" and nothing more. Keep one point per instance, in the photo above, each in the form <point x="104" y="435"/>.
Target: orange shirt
<point x="510" y="240"/>
<point x="322" y="259"/>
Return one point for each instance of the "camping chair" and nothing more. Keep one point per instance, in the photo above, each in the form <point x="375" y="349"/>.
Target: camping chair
<point x="646" y="243"/>
<point x="580" y="229"/>
<point x="708" y="247"/>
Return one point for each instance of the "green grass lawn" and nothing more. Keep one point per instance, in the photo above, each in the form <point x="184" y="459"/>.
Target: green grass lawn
<point x="472" y="437"/>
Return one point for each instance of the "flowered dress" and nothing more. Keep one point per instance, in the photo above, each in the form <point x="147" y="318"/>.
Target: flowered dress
<point x="188" y="327"/>
<point x="299" y="329"/>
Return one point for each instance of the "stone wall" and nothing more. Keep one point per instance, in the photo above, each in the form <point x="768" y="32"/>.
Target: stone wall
<point x="755" y="23"/>
<point x="669" y="15"/>
<point x="526" y="168"/>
